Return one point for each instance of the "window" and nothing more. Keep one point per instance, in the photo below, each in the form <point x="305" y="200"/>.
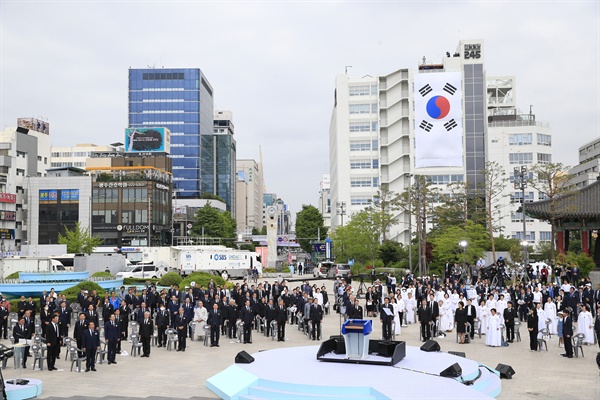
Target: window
<point x="542" y="196"/>
<point x="543" y="158"/>
<point x="375" y="144"/>
<point x="359" y="90"/>
<point x="374" y="108"/>
<point x="20" y="172"/>
<point x="374" y="126"/>
<point x="360" y="182"/>
<point x="360" y="201"/>
<point x="360" y="127"/>
<point x="360" y="108"/>
<point x="375" y="182"/>
<point x="518" y="217"/>
<point x="39" y="158"/>
<point x="375" y="163"/>
<point x="360" y="146"/>
<point x="515" y="197"/>
<point x="444" y="179"/>
<point x="21" y="154"/>
<point x="544" y="140"/>
<point x="545" y="236"/>
<point x="530" y="237"/>
<point x="520" y="139"/>
<point x="521" y="158"/>
<point x="365" y="164"/>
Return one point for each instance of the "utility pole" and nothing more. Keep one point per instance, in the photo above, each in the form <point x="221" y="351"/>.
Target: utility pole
<point x="521" y="183"/>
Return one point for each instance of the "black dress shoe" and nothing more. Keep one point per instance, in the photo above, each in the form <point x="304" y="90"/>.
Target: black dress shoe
<point x="114" y="362"/>
<point x="94" y="369"/>
<point x="160" y="345"/>
<point x="178" y="349"/>
<point x="86" y="370"/>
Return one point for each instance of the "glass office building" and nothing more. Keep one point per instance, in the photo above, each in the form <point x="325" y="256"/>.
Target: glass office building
<point x="180" y="99"/>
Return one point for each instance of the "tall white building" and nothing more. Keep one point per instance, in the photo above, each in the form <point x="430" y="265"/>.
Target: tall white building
<point x="375" y="122"/>
<point x="516" y="139"/>
<point x="24" y="152"/>
<point x="76" y="156"/>
<point x="249" y="189"/>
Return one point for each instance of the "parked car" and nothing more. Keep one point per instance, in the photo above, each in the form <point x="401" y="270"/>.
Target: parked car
<point x="143" y="271"/>
<point x="322" y="269"/>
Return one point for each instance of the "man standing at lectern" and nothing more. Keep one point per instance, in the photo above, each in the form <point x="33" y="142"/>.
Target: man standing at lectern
<point x="386" y="318"/>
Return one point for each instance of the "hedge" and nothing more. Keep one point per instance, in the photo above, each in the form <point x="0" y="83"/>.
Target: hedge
<point x="203" y="278"/>
<point x="103" y="274"/>
<point x="14" y="275"/>
<point x="73" y="291"/>
<point x="170" y="278"/>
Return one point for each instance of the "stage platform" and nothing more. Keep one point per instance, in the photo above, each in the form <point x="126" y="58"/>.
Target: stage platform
<point x="32" y="390"/>
<point x="295" y="373"/>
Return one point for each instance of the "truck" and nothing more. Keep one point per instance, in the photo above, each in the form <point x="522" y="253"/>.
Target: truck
<point x="11" y="265"/>
<point x="217" y="260"/>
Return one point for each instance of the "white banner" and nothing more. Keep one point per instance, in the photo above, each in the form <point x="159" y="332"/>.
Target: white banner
<point x="438" y="120"/>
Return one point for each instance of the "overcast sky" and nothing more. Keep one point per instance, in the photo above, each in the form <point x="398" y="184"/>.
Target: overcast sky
<point x="274" y="65"/>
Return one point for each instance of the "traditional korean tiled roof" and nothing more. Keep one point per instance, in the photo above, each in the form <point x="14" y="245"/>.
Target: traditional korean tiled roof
<point x="582" y="203"/>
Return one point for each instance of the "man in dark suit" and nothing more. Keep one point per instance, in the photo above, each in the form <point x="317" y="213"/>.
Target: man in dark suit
<point x="188" y="312"/>
<point x="92" y="315"/>
<point x="424" y="315"/>
<point x="64" y="319"/>
<point x="215" y="317"/>
<point x="120" y="323"/>
<point x="181" y="325"/>
<point x="21" y="332"/>
<point x="112" y="334"/>
<point x="281" y="318"/>
<point x="316" y="316"/>
<point x="141" y="312"/>
<point x="247" y="317"/>
<point x="510" y="313"/>
<point x="91" y="343"/>
<point x="3" y="321"/>
<point x="471" y="312"/>
<point x="124" y="313"/>
<point x="21" y="306"/>
<point x="146" y="332"/>
<point x="80" y="326"/>
<point x="386" y="318"/>
<point x="434" y="310"/>
<point x="567" y="335"/>
<point x="162" y="323"/>
<point x="52" y="342"/>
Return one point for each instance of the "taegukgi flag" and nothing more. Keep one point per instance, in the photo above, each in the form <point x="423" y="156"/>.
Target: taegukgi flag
<point x="438" y="120"/>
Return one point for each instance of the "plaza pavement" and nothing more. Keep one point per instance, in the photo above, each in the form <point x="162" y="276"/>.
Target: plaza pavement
<point x="171" y="374"/>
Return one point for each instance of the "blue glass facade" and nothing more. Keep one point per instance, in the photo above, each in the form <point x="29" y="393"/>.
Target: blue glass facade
<point x="180" y="99"/>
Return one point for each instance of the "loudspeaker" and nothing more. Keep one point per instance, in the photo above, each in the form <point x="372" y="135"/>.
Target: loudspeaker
<point x="430" y="345"/>
<point x="385" y="348"/>
<point x="243" y="358"/>
<point x="506" y="371"/>
<point x="458" y="353"/>
<point x="453" y="371"/>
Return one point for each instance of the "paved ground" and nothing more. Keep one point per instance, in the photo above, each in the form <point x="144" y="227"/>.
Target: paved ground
<point x="174" y="375"/>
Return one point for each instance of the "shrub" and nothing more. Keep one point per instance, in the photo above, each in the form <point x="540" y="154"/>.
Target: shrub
<point x="203" y="278"/>
<point x="170" y="278"/>
<point x="102" y="274"/>
<point x="14" y="275"/>
<point x="73" y="291"/>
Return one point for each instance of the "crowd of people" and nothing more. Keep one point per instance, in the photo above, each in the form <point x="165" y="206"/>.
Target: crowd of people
<point x="441" y="304"/>
<point x="196" y="312"/>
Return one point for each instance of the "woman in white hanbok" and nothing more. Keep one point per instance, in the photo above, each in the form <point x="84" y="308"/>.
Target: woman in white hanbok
<point x="482" y="315"/>
<point x="455" y="299"/>
<point x="396" y="308"/>
<point x="585" y="325"/>
<point x="550" y="310"/>
<point x="411" y="305"/>
<point x="494" y="333"/>
<point x="446" y="316"/>
<point x="542" y="318"/>
<point x="401" y="308"/>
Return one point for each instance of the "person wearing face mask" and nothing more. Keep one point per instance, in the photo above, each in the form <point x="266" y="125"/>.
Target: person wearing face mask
<point x="162" y="322"/>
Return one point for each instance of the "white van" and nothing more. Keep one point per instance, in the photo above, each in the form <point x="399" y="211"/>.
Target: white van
<point x="143" y="271"/>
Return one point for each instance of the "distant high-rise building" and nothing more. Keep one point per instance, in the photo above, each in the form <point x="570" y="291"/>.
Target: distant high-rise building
<point x="250" y="188"/>
<point x="588" y="170"/>
<point x="180" y="99"/>
<point x="218" y="160"/>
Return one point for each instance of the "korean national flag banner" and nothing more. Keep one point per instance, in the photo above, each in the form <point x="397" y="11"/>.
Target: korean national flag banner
<point x="438" y="120"/>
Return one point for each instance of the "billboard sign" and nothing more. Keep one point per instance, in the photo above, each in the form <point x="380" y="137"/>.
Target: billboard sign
<point x="69" y="196"/>
<point x="8" y="198"/>
<point x="8" y="215"/>
<point x="34" y="124"/>
<point x="147" y="140"/>
<point x="438" y="120"/>
<point x="7" y="233"/>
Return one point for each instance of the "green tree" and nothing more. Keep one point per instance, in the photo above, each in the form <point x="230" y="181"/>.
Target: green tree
<point x="309" y="222"/>
<point x="552" y="181"/>
<point x="213" y="223"/>
<point x="79" y="240"/>
<point x="358" y="240"/>
<point x="446" y="243"/>
<point x="503" y="243"/>
<point x="384" y="210"/>
<point x="459" y="204"/>
<point x="494" y="182"/>
<point x="391" y="252"/>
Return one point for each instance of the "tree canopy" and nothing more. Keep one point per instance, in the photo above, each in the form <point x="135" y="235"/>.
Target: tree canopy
<point x="358" y="240"/>
<point x="216" y="224"/>
<point x="309" y="222"/>
<point x="79" y="240"/>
